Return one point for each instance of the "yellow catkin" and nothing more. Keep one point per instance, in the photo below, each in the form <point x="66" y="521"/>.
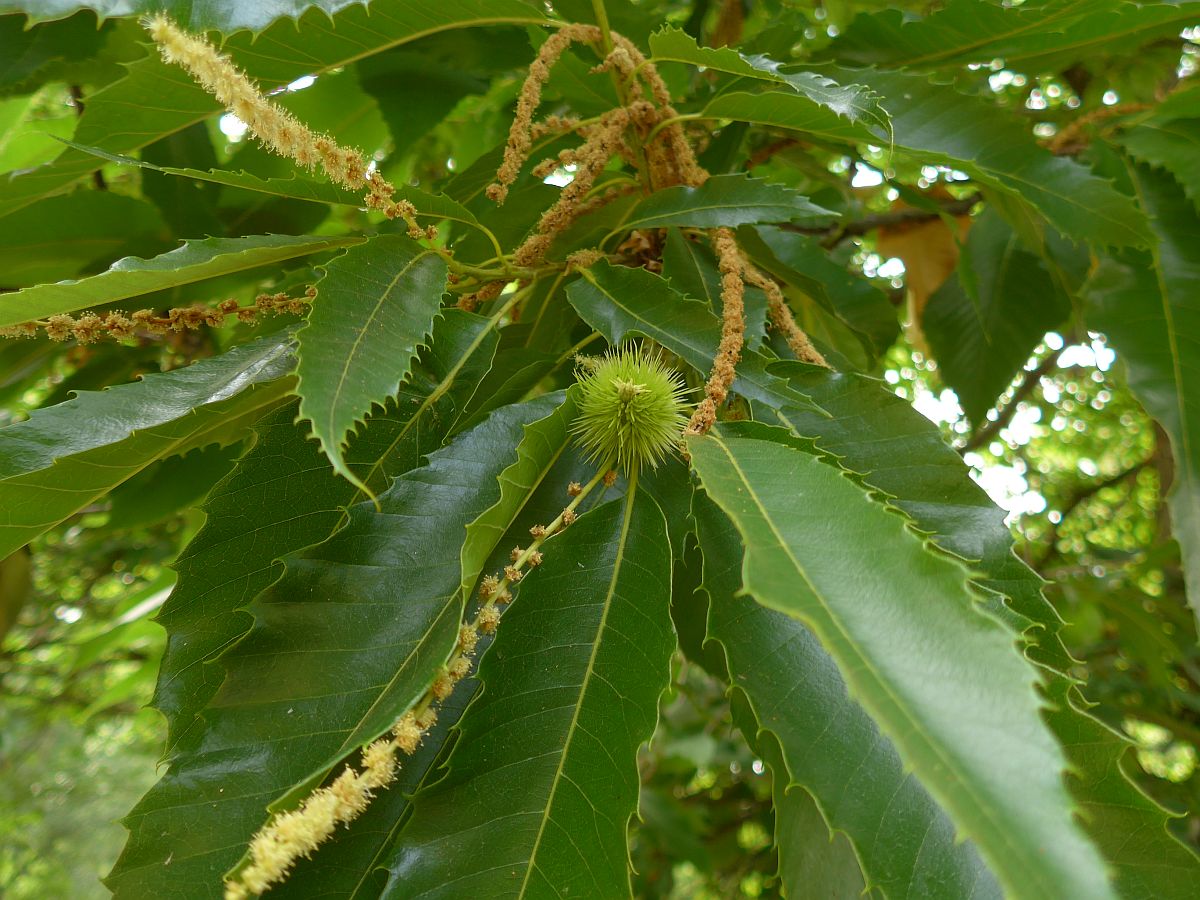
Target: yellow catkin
<point x="274" y="126"/>
<point x="782" y="318"/>
<point x="733" y="332"/>
<point x="90" y="327"/>
<point x="520" y="137"/>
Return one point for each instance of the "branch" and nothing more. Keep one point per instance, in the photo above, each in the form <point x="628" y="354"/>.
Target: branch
<point x="1082" y="494"/>
<point x="1024" y="389"/>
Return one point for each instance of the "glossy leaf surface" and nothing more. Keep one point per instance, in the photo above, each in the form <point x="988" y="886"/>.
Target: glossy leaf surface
<point x="544" y="775"/>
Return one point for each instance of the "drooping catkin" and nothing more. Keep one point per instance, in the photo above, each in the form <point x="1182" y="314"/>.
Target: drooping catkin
<point x="90" y="327"/>
<point x="590" y="159"/>
<point x="733" y="331"/>
<point x="274" y="126"/>
<point x="782" y="318"/>
<point x="520" y="137"/>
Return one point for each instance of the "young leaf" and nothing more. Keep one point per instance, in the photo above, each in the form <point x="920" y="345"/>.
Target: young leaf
<point x="799" y="699"/>
<point x="133" y="277"/>
<point x="725" y="200"/>
<point x="983" y="328"/>
<point x="285" y="493"/>
<point x="375" y="307"/>
<point x="50" y="468"/>
<point x="347" y="640"/>
<point x="542" y="783"/>
<point x="901" y="625"/>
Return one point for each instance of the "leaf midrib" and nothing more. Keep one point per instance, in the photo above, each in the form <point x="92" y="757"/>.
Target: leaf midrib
<point x="584" y="686"/>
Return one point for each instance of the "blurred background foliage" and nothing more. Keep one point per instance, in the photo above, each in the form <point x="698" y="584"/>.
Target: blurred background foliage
<point x="1067" y="450"/>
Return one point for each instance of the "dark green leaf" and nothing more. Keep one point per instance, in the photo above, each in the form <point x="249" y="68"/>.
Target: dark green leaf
<point x="26" y="51"/>
<point x="1149" y="309"/>
<point x="169" y="487"/>
<point x="691" y="269"/>
<point x="1036" y="37"/>
<point x="59" y="237"/>
<point x="1172" y="145"/>
<point x="799" y="260"/>
<point x="934" y="123"/>
<point x="296" y="501"/>
<point x="374" y="309"/>
<point x="725" y="200"/>
<point x="826" y="739"/>
<point x="347" y="640"/>
<point x="543" y="781"/>
<point x="898" y="451"/>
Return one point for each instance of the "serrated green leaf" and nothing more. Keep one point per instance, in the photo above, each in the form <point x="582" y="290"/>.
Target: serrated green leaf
<point x="898" y="451"/>
<point x="826" y="739"/>
<point x="133" y="277"/>
<point x="1127" y="825"/>
<point x="156" y="99"/>
<point x="51" y="468"/>
<point x="983" y="330"/>
<point x="197" y="15"/>
<point x="1172" y="145"/>
<point x="852" y="101"/>
<point x="799" y="561"/>
<point x="725" y="200"/>
<point x="295" y="187"/>
<point x="1150" y="310"/>
<point x="540" y="788"/>
<point x="1038" y="37"/>
<point x="349" y="638"/>
<point x="296" y="502"/>
<point x="375" y="307"/>
<point x="934" y="123"/>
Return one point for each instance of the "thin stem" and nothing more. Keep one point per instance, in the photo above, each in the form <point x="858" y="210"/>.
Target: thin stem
<point x="685" y="117"/>
<point x="602" y="23"/>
